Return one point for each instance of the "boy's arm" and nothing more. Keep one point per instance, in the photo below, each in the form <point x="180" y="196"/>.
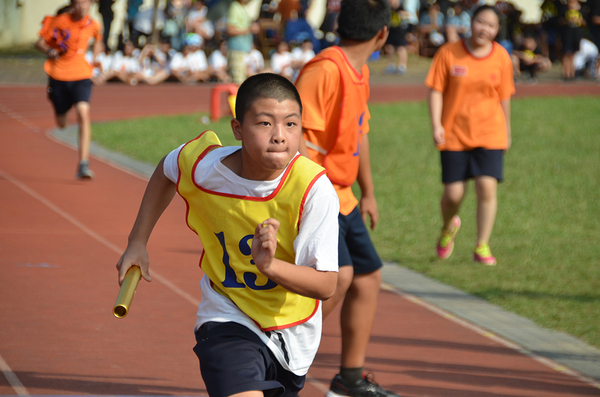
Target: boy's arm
<point x="302" y="280"/>
<point x="506" y="108"/>
<point x="436" y="101"/>
<point x="368" y="204"/>
<point x="158" y="195"/>
<point x="43" y="46"/>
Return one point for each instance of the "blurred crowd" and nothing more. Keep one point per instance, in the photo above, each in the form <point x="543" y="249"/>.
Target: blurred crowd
<point x="189" y="40"/>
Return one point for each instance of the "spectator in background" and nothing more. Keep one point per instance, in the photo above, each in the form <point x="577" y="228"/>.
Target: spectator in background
<point x="174" y="27"/>
<point x="594" y="26"/>
<point x="217" y="63"/>
<point x="550" y="42"/>
<point x="255" y="63"/>
<point x="571" y="23"/>
<point x="281" y="61"/>
<point x="240" y="30"/>
<point x="133" y="7"/>
<point x="101" y="65"/>
<point x="105" y="9"/>
<point x="396" y="41"/>
<point x="529" y="58"/>
<point x="190" y="65"/>
<point x="328" y="27"/>
<point x="585" y="60"/>
<point x="431" y="25"/>
<point x="297" y="30"/>
<point x="125" y="65"/>
<point x="159" y="60"/>
<point x="144" y="25"/>
<point x="196" y="21"/>
<point x="301" y="55"/>
<point x="458" y="26"/>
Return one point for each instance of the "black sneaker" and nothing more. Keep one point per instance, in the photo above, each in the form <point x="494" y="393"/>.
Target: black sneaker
<point x="362" y="388"/>
<point x="83" y="171"/>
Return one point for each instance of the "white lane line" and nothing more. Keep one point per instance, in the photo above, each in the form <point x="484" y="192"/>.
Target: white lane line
<point x="19" y="118"/>
<point x="95" y="235"/>
<point x="12" y="379"/>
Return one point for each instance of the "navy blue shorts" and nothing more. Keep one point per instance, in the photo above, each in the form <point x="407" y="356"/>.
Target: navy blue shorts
<point x="464" y="165"/>
<point x="233" y="359"/>
<point x="355" y="246"/>
<point x="65" y="94"/>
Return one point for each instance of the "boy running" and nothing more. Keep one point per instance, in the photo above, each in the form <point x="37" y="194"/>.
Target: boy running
<point x="267" y="218"/>
<point x="65" y="40"/>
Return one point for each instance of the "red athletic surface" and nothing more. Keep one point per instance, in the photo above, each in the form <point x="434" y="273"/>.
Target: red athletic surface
<point x="60" y="240"/>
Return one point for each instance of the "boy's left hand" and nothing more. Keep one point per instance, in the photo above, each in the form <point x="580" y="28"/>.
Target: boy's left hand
<point x="264" y="244"/>
<point x="368" y="206"/>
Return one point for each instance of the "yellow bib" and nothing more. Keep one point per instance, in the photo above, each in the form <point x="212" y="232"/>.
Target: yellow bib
<point x="225" y="224"/>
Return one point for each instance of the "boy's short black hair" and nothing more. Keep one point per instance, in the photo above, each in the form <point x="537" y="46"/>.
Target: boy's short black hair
<point x="487" y="7"/>
<point x="360" y="20"/>
<point x="264" y="85"/>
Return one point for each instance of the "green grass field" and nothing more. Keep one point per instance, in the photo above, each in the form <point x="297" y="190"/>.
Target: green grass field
<point x="548" y="221"/>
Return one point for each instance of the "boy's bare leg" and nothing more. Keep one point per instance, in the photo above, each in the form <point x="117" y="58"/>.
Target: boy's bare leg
<point x="451" y="200"/>
<point x="61" y="120"/>
<point x="85" y="129"/>
<point x="345" y="275"/>
<point x="402" y="57"/>
<point x="487" y="204"/>
<point x="358" y="316"/>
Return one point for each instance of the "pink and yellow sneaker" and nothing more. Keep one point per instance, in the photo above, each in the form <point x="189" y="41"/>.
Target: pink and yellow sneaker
<point x="482" y="254"/>
<point x="445" y="244"/>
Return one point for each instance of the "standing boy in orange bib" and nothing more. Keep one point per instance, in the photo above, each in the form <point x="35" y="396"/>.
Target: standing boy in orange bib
<point x="334" y="87"/>
<point x="65" y="40"/>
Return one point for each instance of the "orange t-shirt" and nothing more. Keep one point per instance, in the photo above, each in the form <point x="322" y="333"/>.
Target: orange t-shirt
<point x="472" y="90"/>
<point x="320" y="85"/>
<point x="72" y="39"/>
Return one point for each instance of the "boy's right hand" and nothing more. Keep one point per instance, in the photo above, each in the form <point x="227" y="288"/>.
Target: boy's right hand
<point x="439" y="135"/>
<point x="135" y="254"/>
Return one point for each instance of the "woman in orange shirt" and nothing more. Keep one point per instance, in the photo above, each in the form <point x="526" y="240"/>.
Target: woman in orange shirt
<point x="471" y="82"/>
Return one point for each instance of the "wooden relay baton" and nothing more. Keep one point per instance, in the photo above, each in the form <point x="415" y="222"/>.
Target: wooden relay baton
<point x="130" y="283"/>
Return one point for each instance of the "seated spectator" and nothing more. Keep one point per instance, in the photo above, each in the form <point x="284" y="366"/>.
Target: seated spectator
<point x="217" y="63"/>
<point x="156" y="62"/>
<point x="281" y="61"/>
<point x="301" y="55"/>
<point x="190" y="65"/>
<point x="124" y="67"/>
<point x="196" y="21"/>
<point x="458" y="26"/>
<point x="529" y="58"/>
<point x="101" y="66"/>
<point x="431" y="26"/>
<point x="398" y="39"/>
<point x="585" y="60"/>
<point x="255" y="63"/>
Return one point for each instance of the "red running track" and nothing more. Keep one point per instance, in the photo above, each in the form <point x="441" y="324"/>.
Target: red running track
<point x="59" y="242"/>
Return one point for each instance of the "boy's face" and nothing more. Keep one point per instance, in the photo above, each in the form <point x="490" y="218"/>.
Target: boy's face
<point x="270" y="136"/>
<point x="80" y="7"/>
<point x="529" y="43"/>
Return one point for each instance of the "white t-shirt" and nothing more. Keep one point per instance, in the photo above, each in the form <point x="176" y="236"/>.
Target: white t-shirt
<point x="104" y="60"/>
<point x="192" y="62"/>
<point x="281" y="62"/>
<point x="299" y="55"/>
<point x="127" y="64"/>
<point x="315" y="246"/>
<point x="255" y="61"/>
<point x="217" y="60"/>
